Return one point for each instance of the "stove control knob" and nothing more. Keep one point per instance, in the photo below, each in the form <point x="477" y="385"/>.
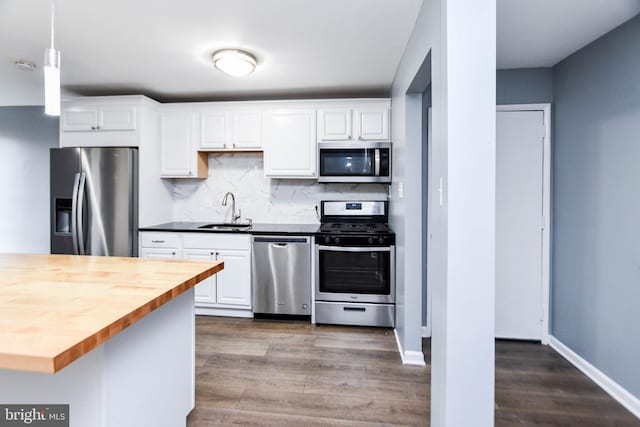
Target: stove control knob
<point x="370" y="240"/>
<point x="337" y="240"/>
<point x="327" y="239"/>
<point x="381" y="240"/>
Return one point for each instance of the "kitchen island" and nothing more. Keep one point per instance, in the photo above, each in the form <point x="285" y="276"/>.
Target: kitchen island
<point x="112" y="337"/>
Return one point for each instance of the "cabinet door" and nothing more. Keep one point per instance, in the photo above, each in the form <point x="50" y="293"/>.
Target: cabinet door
<point x="289" y="144"/>
<point x="234" y="281"/>
<point x="334" y="124"/>
<point x="79" y="118"/>
<point x="205" y="291"/>
<point x="372" y="124"/>
<point x="160" y="253"/>
<point x="117" y="117"/>
<point x="246" y="130"/>
<point x="178" y="144"/>
<point x="214" y="130"/>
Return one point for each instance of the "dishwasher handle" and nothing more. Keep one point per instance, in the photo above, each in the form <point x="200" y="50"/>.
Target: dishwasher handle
<point x="280" y="240"/>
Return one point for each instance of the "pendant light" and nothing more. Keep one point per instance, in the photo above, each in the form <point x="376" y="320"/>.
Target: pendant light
<point x="52" y="75"/>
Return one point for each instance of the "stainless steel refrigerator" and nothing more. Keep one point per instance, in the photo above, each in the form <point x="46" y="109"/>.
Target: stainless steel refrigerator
<point x="94" y="201"/>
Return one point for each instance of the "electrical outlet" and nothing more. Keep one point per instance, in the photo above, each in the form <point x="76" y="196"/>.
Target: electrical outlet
<point x="208" y="203"/>
<point x="400" y="190"/>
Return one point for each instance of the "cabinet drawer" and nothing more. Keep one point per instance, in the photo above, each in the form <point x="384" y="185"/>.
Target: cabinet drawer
<point x="217" y="241"/>
<point x="159" y="240"/>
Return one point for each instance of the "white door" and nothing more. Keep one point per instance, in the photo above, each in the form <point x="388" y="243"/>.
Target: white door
<point x="290" y="144"/>
<point x="246" y="130"/>
<point x="234" y="282"/>
<point x="519" y="210"/>
<point x="177" y="144"/>
<point x="214" y="130"/>
<point x="117" y="118"/>
<point x="205" y="291"/>
<point x="372" y="124"/>
<point x="334" y="124"/>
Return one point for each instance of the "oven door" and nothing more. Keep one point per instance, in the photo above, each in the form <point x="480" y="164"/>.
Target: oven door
<point x="363" y="162"/>
<point x="355" y="274"/>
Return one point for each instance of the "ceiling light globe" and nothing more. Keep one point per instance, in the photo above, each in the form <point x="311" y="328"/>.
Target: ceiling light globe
<point x="234" y="62"/>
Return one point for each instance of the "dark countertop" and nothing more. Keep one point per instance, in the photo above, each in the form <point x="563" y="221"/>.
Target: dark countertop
<point x="256" y="228"/>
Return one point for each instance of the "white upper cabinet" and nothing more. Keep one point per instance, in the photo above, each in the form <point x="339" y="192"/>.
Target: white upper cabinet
<point x="289" y="143"/>
<point x="214" y="130"/>
<point x="371" y="124"/>
<point x="358" y="121"/>
<point x="101" y="121"/>
<point x="226" y="130"/>
<point x="334" y="124"/>
<point x="78" y="118"/>
<point x="85" y="118"/>
<point x="247" y="130"/>
<point x="178" y="144"/>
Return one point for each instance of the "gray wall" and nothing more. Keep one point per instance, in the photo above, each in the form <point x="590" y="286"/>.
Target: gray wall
<point x="524" y="86"/>
<point x="26" y="134"/>
<point x="596" y="204"/>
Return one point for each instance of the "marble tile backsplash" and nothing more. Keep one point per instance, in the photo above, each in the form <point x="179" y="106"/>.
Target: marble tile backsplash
<point x="262" y="199"/>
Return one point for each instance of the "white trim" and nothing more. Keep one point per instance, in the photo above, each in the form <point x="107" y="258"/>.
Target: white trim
<point x="429" y="325"/>
<point x="426" y="333"/>
<point x="409" y="357"/>
<point x="546" y="208"/>
<point x="615" y="390"/>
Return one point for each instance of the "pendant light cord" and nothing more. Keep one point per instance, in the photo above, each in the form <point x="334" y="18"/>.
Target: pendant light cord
<point x="52" y="21"/>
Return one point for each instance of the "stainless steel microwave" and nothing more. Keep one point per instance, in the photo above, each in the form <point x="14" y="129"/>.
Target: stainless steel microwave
<point x="354" y="162"/>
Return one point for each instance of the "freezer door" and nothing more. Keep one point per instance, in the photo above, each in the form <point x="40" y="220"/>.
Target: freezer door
<point x="64" y="168"/>
<point x="108" y="201"/>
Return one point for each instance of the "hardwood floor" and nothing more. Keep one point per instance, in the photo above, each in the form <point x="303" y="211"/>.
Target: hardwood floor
<point x="274" y="373"/>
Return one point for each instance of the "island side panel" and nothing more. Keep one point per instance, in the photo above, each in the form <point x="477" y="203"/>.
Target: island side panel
<point x="79" y="385"/>
<point x="145" y="375"/>
<point x="150" y="369"/>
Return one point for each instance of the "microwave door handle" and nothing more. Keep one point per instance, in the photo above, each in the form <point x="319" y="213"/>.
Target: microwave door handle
<point x="74" y="214"/>
<point x="376" y="162"/>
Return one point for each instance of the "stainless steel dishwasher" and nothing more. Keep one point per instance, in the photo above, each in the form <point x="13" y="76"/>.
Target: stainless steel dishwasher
<point x="281" y="275"/>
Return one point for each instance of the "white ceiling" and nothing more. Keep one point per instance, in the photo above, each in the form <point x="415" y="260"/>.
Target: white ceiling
<point x="162" y="48"/>
<point x="305" y="48"/>
<point x="541" y="33"/>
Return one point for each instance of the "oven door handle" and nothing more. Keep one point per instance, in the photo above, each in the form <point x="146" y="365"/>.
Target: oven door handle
<point x="354" y="249"/>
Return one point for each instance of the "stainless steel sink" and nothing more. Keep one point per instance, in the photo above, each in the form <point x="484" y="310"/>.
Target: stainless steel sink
<point x="226" y="226"/>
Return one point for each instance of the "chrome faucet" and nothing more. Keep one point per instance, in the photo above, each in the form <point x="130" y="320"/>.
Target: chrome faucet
<point x="234" y="216"/>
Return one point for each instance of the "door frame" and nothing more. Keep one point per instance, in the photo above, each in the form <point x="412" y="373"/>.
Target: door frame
<point x="545" y="108"/>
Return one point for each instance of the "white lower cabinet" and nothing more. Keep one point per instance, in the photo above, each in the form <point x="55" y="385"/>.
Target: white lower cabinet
<point x="228" y="292"/>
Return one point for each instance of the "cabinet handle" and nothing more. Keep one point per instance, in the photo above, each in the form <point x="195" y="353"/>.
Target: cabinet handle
<point x="173" y="253"/>
<point x="93" y="128"/>
<point x="97" y="127"/>
<point x="360" y="138"/>
<point x="190" y="173"/>
<point x="157" y="241"/>
<point x="212" y="253"/>
<point x="349" y="137"/>
<point x="234" y="145"/>
<point x="224" y="145"/>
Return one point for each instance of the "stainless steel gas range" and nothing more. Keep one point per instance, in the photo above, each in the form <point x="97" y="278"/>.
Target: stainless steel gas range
<point x="355" y="264"/>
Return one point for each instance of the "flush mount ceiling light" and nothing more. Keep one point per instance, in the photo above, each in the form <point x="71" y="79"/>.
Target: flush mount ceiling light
<point x="52" y="75"/>
<point x="234" y="62"/>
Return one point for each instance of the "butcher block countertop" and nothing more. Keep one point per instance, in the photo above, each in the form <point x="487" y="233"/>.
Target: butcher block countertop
<point x="56" y="308"/>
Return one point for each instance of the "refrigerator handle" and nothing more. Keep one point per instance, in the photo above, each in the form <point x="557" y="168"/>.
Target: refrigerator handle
<point x="74" y="214"/>
<point x="80" y="211"/>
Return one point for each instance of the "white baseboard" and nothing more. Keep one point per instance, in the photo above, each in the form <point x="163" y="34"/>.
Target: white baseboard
<point x="425" y="332"/>
<point x="409" y="357"/>
<point x="614" y="389"/>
